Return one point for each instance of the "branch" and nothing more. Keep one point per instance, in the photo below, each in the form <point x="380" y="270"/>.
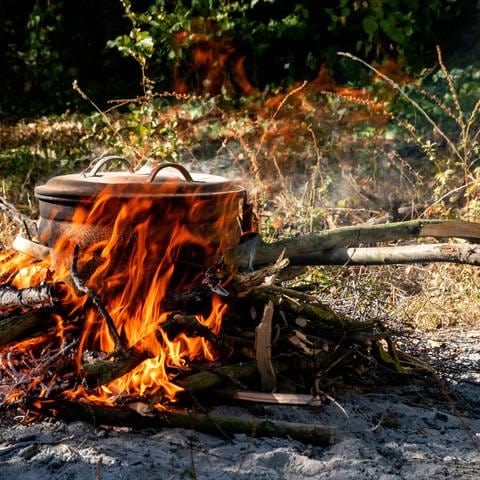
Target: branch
<point x="349" y="236"/>
<point x="83" y="289"/>
<point x="14" y="214"/>
<point x="468" y="254"/>
<point x="212" y="424"/>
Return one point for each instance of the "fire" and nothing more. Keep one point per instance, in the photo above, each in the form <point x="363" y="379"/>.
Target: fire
<point x="143" y="251"/>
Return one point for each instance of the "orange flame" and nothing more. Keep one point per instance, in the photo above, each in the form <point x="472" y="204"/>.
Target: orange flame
<point x="143" y="249"/>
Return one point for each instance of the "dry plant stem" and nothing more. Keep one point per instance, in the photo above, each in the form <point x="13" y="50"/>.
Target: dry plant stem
<point x="211" y="424"/>
<point x="468" y="254"/>
<point x="415" y="104"/>
<point x="346" y="236"/>
<point x="19" y="218"/>
<point x="106" y="119"/>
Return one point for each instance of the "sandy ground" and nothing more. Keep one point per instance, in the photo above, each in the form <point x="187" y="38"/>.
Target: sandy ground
<point x="394" y="434"/>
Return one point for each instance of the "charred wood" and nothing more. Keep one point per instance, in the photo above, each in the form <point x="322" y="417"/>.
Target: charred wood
<point x="21" y="325"/>
<point x="83" y="289"/>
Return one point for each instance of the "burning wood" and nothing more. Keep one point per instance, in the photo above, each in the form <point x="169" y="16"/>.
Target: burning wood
<point x="136" y="302"/>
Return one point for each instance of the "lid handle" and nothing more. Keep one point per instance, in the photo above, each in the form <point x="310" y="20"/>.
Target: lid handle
<point x="103" y="161"/>
<point x="161" y="166"/>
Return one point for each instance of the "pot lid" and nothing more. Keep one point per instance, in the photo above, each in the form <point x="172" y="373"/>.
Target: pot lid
<point x="164" y="180"/>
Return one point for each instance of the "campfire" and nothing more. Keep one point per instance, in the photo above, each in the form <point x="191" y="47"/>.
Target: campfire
<point x="141" y="294"/>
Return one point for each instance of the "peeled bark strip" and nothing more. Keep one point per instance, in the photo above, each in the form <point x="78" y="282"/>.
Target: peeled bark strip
<point x="212" y="424"/>
<point x="346" y="236"/>
<point x="263" y="349"/>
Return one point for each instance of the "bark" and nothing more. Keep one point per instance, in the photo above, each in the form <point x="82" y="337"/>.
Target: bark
<point x="424" y="253"/>
<point x="17" y="327"/>
<point x="39" y="296"/>
<point x="100" y="372"/>
<point x="348" y="236"/>
<point x="212" y="424"/>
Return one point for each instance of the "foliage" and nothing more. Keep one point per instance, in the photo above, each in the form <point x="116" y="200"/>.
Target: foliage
<point x="282" y="41"/>
<point x="392" y="28"/>
<point x="45" y="46"/>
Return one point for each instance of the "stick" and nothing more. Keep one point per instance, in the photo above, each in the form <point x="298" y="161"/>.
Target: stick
<point x="349" y="236"/>
<point x="82" y="288"/>
<point x="468" y="254"/>
<point x="212" y="424"/>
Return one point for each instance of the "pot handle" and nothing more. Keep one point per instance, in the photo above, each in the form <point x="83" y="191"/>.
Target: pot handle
<point x="103" y="161"/>
<point x="161" y="166"/>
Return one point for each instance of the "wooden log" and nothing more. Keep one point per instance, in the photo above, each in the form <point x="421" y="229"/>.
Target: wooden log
<point x="267" y="253"/>
<point x="229" y="374"/>
<point x="218" y="425"/>
<point x="31" y="297"/>
<point x="19" y="326"/>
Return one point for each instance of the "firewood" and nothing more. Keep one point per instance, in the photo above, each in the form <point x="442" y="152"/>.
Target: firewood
<point x="189" y="325"/>
<point x="101" y="371"/>
<point x="328" y="323"/>
<point x="31" y="297"/>
<point x="19" y="326"/>
<point x="267" y="253"/>
<point x="218" y="425"/>
<point x="83" y="289"/>
<point x="228" y="374"/>
<point x="465" y="253"/>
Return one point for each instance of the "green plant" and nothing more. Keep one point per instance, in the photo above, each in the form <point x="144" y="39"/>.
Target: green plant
<point x="390" y="27"/>
<point x="449" y="132"/>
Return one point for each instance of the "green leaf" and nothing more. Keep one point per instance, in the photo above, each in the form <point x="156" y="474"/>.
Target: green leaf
<point x="370" y="25"/>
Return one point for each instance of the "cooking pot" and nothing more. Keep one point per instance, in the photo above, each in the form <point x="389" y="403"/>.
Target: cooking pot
<point x="121" y="211"/>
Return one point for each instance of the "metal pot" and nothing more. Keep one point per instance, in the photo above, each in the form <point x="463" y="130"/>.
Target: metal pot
<point x="90" y="209"/>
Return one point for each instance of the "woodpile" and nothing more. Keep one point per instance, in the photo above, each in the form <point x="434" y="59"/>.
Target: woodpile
<point x="275" y="344"/>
